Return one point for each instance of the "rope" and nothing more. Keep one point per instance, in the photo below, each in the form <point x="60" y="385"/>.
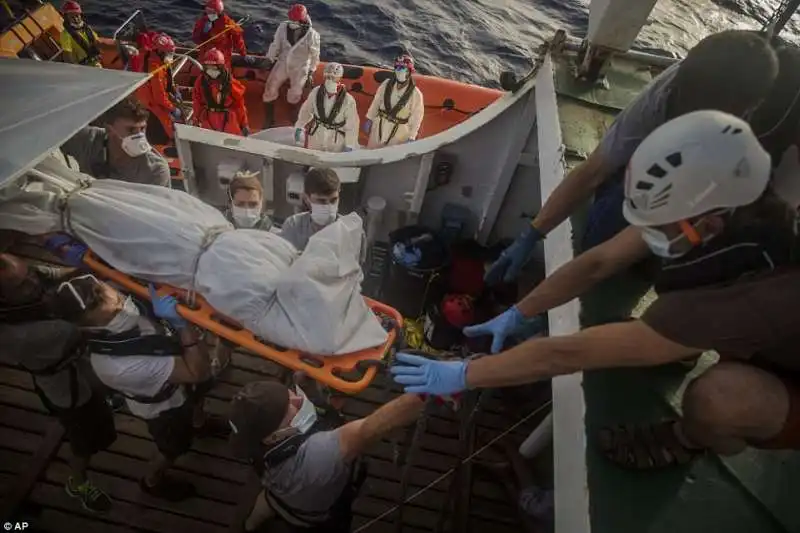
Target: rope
<point x="446" y="474"/>
<point x="64" y="208"/>
<point x="209" y="237"/>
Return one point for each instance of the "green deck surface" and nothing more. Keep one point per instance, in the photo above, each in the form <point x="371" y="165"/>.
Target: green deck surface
<point x="755" y="491"/>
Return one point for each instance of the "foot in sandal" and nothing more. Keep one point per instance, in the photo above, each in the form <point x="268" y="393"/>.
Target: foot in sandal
<point x="645" y="446"/>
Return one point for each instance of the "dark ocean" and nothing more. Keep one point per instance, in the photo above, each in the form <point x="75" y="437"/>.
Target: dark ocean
<point x="467" y="40"/>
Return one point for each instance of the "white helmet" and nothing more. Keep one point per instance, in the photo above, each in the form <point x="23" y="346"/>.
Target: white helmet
<point x="694" y="164"/>
<point x="333" y="70"/>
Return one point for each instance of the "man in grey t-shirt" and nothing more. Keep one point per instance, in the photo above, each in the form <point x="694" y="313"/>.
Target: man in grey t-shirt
<point x="305" y="461"/>
<point x="119" y="151"/>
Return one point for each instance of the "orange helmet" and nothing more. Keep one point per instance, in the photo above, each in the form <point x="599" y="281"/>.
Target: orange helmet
<point x="71" y="7"/>
<point x="298" y="13"/>
<point x="215" y="6"/>
<point x="164" y="43"/>
<point x="214" y="57"/>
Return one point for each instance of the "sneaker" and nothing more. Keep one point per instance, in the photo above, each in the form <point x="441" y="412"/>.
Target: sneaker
<point x="173" y="490"/>
<point x="92" y="498"/>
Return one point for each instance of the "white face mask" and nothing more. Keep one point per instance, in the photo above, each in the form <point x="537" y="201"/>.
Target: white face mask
<point x="245" y="217"/>
<point x="294" y="26"/>
<point x="213" y="72"/>
<point x="212" y="16"/>
<point x="331" y="86"/>
<point x="324" y="214"/>
<point x="659" y="244"/>
<point x="401" y="75"/>
<point x="126" y="319"/>
<point x="135" y="145"/>
<point x="306" y="416"/>
<point x="168" y="58"/>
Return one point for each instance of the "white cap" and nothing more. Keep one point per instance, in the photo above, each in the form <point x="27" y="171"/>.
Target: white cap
<point x="694" y="164"/>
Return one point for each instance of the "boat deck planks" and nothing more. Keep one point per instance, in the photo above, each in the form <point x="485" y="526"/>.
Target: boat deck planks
<point x="225" y="486"/>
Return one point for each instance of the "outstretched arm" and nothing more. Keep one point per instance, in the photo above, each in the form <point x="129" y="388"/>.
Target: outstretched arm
<point x="356" y="436"/>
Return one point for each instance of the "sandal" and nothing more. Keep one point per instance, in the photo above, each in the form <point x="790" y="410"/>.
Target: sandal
<point x="644" y="446"/>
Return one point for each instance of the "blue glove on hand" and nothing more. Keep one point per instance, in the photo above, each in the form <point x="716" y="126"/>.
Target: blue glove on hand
<point x="348" y="149"/>
<point x="166" y="307"/>
<point x="67" y="248"/>
<point x="500" y="327"/>
<point x="298" y="135"/>
<point x="176" y="114"/>
<point x="422" y="375"/>
<point x="207" y="26"/>
<point x="366" y="126"/>
<point x="513" y="258"/>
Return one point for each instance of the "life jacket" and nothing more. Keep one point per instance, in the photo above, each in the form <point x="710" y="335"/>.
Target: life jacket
<point x="168" y="71"/>
<point x="390" y="112"/>
<point x="74" y="349"/>
<point x="328" y="120"/>
<point x="217" y="105"/>
<point x="727" y="258"/>
<point x="86" y="40"/>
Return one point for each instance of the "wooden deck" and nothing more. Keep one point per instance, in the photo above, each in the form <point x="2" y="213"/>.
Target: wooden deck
<point x="32" y="475"/>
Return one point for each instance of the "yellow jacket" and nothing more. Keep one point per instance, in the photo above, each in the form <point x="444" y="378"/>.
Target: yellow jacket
<point x="82" y="50"/>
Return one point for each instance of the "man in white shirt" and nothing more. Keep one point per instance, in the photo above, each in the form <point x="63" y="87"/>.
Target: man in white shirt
<point x="152" y="357"/>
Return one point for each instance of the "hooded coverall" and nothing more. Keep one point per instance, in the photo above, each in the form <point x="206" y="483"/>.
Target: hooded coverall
<point x="293" y="62"/>
<point x="328" y="128"/>
<point x="228" y="42"/>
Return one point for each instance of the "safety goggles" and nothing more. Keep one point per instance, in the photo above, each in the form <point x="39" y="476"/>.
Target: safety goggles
<point x="68" y="285"/>
<point x="400" y="67"/>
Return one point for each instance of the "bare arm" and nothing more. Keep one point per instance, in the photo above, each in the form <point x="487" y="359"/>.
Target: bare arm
<point x="354" y="437"/>
<point x="582" y="273"/>
<point x="613" y="345"/>
<point x="193" y="366"/>
<point x="579" y="185"/>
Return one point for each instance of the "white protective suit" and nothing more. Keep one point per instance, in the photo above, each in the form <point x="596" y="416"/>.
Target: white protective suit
<point x="411" y="113"/>
<point x="320" y="136"/>
<point x="292" y="62"/>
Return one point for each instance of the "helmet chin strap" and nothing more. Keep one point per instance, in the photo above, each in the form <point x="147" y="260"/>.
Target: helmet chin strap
<point x="691" y="233"/>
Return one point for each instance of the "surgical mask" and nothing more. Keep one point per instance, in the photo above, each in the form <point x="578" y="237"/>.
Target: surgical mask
<point x="324" y="214"/>
<point x="213" y="72"/>
<point x="401" y="75"/>
<point x="126" y="319"/>
<point x="660" y="245"/>
<point x="245" y="217"/>
<point x="294" y="26"/>
<point x="306" y="416"/>
<point x="135" y="145"/>
<point x="331" y="86"/>
<point x="168" y="58"/>
<point x="212" y="16"/>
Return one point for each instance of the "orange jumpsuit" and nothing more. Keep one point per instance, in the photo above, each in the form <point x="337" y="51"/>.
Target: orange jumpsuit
<point x="159" y="94"/>
<point x="229" y="42"/>
<point x="219" y="104"/>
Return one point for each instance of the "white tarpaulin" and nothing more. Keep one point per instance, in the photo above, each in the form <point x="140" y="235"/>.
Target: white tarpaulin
<point x="309" y="301"/>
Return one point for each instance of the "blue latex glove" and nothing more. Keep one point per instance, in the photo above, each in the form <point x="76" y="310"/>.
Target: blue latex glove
<point x="422" y="375"/>
<point x="246" y="131"/>
<point x="176" y="114"/>
<point x="298" y="135"/>
<point x="67" y="248"/>
<point x="366" y="126"/>
<point x="513" y="258"/>
<point x="348" y="149"/>
<point x="500" y="327"/>
<point x="207" y="26"/>
<point x="166" y="307"/>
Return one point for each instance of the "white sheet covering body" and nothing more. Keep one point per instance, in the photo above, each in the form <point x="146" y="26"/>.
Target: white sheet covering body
<point x="310" y="302"/>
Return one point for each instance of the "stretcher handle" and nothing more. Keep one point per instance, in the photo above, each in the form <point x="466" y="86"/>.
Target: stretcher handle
<point x="324" y="368"/>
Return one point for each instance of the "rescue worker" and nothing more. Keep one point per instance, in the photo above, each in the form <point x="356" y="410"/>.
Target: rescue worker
<point x="730" y="71"/>
<point x="218" y="98"/>
<point x="328" y="119"/>
<point x="294" y="57"/>
<point x="119" y="151"/>
<point x="160" y="95"/>
<point x="215" y="29"/>
<point x="306" y="455"/>
<point x="246" y="209"/>
<point x="397" y="107"/>
<point x="696" y="196"/>
<point x="152" y="356"/>
<point x="78" y="40"/>
<point x="50" y="350"/>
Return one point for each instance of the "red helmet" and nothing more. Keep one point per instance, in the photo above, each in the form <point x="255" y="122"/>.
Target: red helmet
<point x="164" y="43"/>
<point x="458" y="310"/>
<point x="71" y="7"/>
<point x="298" y="13"/>
<point x="214" y="57"/>
<point x="407" y="60"/>
<point x="215" y="6"/>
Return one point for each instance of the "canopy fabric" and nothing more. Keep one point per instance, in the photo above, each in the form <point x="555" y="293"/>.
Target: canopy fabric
<point x="46" y="103"/>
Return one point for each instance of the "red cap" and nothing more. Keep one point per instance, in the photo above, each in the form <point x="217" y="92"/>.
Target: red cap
<point x="71" y="7"/>
<point x="213" y="57"/>
<point x="215" y="5"/>
<point x="164" y="43"/>
<point x="298" y="13"/>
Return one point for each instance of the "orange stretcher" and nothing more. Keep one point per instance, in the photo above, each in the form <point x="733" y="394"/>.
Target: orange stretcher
<point x="349" y="373"/>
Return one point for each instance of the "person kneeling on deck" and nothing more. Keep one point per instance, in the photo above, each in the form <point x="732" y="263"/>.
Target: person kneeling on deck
<point x="218" y="98"/>
<point x="160" y="94"/>
<point x="306" y="456"/>
<point x="397" y="107"/>
<point x="246" y="195"/>
<point x="120" y="151"/>
<point x="294" y="54"/>
<point x="328" y="119"/>
<point x="78" y="40"/>
<point x="696" y="195"/>
<point x="51" y="350"/>
<point x="162" y="374"/>
<point x="731" y="71"/>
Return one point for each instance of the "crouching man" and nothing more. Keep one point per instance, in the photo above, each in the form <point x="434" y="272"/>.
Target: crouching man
<point x="307" y="458"/>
